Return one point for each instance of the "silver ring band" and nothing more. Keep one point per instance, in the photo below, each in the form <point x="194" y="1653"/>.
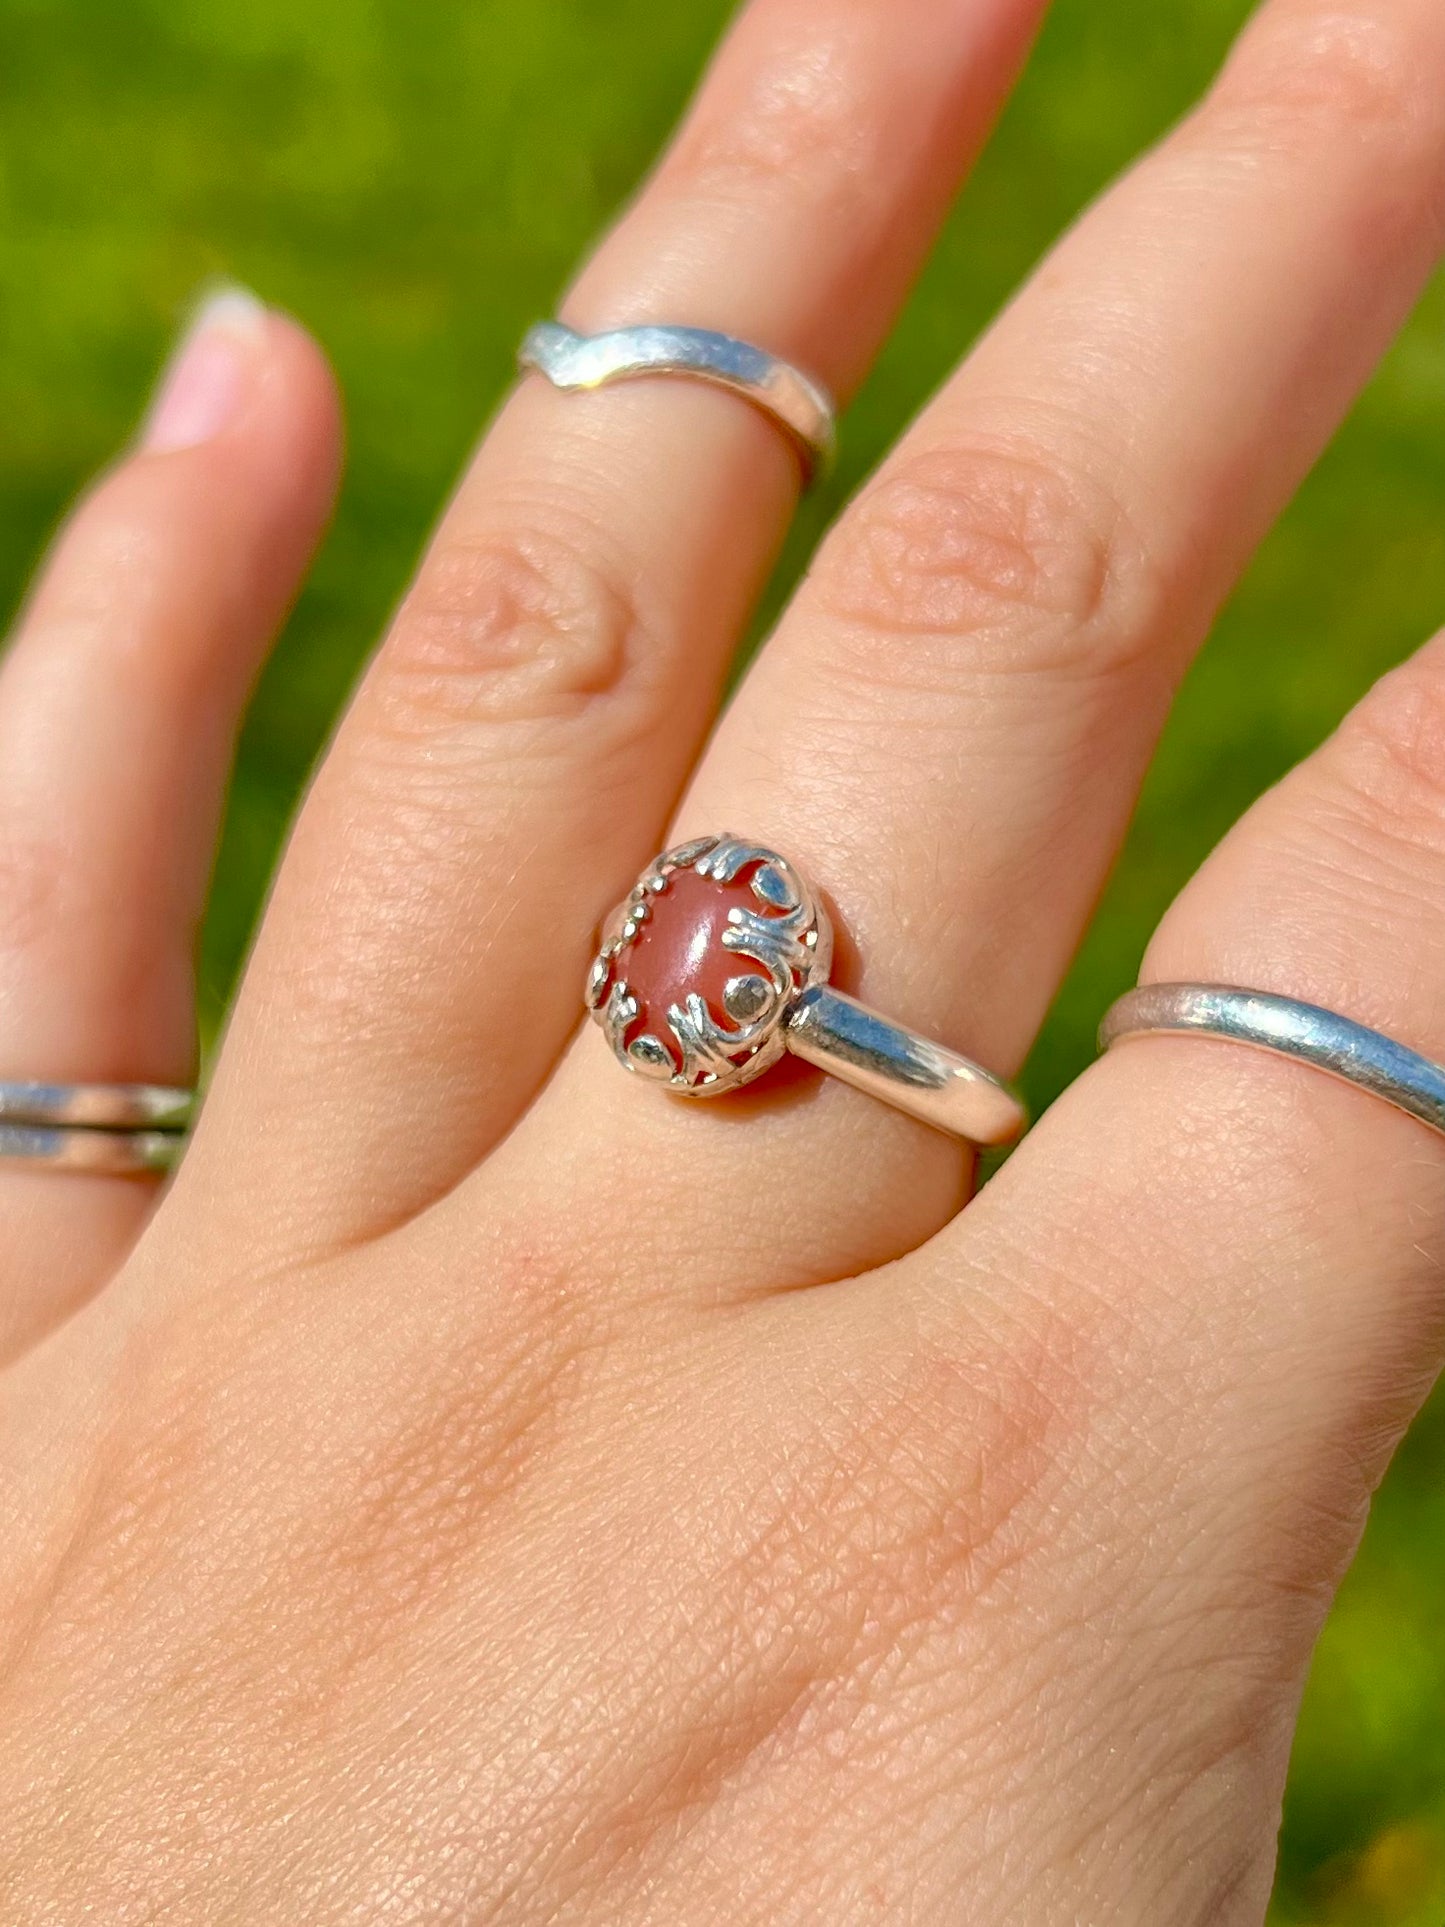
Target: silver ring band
<point x="1337" y="1045"/>
<point x="717" y="964"/>
<point x="120" y="1130"/>
<point x="912" y="1073"/>
<point x="97" y="1107"/>
<point x="794" y="400"/>
<point x="121" y="1154"/>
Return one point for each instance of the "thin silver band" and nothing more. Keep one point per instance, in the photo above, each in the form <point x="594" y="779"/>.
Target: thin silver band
<point x="119" y="1130"/>
<point x="121" y="1154"/>
<point x="97" y="1107"/>
<point x="912" y="1073"/>
<point x="794" y="400"/>
<point x="1331" y="1043"/>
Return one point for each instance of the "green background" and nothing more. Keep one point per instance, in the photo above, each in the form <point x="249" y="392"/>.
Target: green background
<point x="415" y="178"/>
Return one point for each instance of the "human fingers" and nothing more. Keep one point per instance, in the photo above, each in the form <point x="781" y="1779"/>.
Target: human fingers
<point x="119" y="701"/>
<point x="949" y="727"/>
<point x="524" y="732"/>
<point x="1225" y="1269"/>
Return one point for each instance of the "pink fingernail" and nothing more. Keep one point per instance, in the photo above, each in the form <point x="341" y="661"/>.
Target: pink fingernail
<point x="210" y="374"/>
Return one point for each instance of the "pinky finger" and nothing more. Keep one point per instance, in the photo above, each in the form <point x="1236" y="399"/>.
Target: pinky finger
<point x="1216" y="1275"/>
<point x="119" y="702"/>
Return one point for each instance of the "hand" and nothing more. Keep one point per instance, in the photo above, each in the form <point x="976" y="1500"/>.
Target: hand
<point x="487" y="1489"/>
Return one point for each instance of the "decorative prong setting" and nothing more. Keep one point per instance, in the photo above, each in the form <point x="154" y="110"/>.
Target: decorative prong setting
<point x="598" y="972"/>
<point x="745" y="998"/>
<point x="700" y="965"/>
<point x="773" y="886"/>
<point x="650" y="1057"/>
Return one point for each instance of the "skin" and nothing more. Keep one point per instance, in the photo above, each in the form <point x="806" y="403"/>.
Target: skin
<point x="434" y="1510"/>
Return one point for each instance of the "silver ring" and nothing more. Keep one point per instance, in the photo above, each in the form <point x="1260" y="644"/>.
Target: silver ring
<point x="98" y="1107"/>
<point x="1344" y="1049"/>
<point x="116" y="1129"/>
<point x="717" y="963"/>
<point x="794" y="400"/>
<point x="120" y="1154"/>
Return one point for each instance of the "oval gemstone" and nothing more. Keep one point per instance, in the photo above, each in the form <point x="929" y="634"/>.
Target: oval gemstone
<point x="679" y="952"/>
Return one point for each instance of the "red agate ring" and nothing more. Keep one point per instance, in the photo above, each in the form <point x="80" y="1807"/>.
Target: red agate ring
<point x="718" y="962"/>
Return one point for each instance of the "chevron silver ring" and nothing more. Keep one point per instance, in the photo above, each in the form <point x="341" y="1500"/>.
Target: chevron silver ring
<point x="797" y="403"/>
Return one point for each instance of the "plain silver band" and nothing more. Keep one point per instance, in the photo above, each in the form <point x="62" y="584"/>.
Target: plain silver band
<point x="123" y="1154"/>
<point x="913" y="1074"/>
<point x="1322" y="1038"/>
<point x="97" y="1107"/>
<point x="794" y="400"/>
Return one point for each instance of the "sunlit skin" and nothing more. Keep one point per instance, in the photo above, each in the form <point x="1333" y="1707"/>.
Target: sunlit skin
<point x="485" y="1488"/>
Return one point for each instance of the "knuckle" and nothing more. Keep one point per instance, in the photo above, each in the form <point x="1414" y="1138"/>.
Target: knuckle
<point x="475" y="1430"/>
<point x="950" y="1459"/>
<point x="978" y="543"/>
<point x="1388" y="755"/>
<point x="513" y="627"/>
<point x="1344" y="68"/>
<point x="802" y="127"/>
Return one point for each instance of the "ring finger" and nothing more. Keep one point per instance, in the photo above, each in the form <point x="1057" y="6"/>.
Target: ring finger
<point x="526" y="728"/>
<point x="949" y="728"/>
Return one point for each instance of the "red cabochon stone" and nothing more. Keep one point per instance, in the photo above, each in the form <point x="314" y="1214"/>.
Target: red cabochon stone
<point x="679" y="950"/>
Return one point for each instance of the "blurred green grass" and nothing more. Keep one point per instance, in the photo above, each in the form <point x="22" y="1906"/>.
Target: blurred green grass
<point x="415" y="181"/>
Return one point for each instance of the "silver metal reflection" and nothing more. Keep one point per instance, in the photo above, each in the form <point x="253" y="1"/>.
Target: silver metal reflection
<point x="1322" y="1038"/>
<point x="794" y="400"/>
<point x="115" y="1129"/>
<point x="121" y="1154"/>
<point x="777" y="1000"/>
<point x="931" y="1082"/>
<point x="98" y="1107"/>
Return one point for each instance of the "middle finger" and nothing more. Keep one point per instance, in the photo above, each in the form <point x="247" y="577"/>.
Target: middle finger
<point x="949" y="729"/>
<point x="531" y="718"/>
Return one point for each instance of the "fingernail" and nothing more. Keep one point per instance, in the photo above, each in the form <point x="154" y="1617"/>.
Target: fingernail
<point x="210" y="374"/>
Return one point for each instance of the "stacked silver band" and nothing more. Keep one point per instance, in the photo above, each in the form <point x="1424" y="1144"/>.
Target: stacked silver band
<point x="118" y="1130"/>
